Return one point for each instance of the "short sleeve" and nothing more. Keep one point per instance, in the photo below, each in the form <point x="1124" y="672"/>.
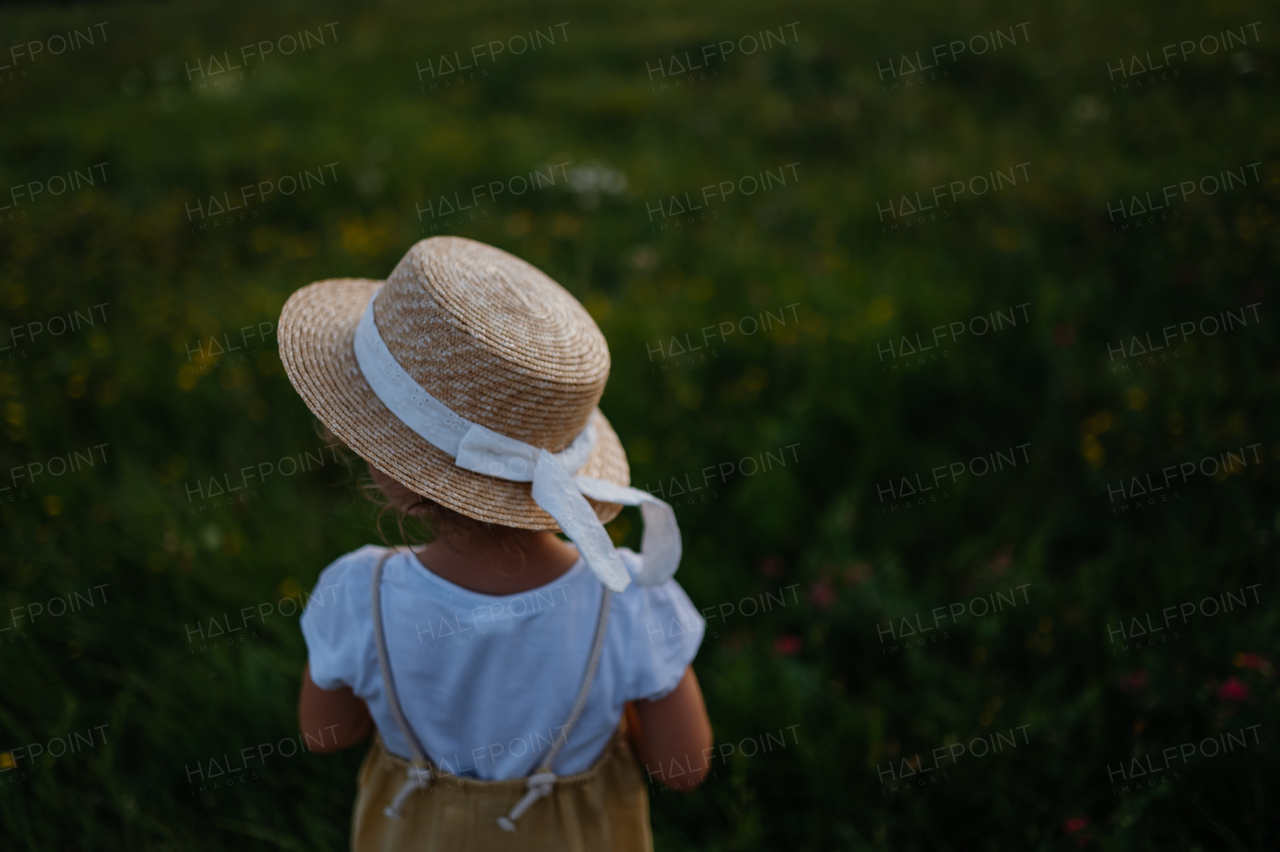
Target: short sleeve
<point x="337" y="621"/>
<point x="664" y="633"/>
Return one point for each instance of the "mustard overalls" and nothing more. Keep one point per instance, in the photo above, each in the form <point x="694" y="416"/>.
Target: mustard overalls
<point x="603" y="808"/>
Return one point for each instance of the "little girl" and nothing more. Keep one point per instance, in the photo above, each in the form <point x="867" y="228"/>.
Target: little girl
<point x="512" y="678"/>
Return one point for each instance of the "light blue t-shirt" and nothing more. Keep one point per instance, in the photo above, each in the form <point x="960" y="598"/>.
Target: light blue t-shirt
<point x="487" y="682"/>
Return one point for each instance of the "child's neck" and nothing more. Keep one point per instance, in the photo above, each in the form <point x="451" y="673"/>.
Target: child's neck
<point x="488" y="568"/>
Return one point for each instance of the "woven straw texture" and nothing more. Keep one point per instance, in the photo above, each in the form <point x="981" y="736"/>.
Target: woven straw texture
<point x="488" y="335"/>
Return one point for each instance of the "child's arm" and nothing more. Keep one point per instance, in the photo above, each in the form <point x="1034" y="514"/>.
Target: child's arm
<point x="676" y="728"/>
<point x="336" y="717"/>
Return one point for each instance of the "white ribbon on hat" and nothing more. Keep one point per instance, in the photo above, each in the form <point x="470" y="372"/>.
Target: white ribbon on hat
<point x="556" y="489"/>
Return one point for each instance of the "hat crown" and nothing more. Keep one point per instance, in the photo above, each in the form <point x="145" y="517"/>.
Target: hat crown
<point x="495" y="339"/>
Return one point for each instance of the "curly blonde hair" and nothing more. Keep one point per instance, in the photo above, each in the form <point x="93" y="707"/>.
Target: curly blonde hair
<point x="410" y="510"/>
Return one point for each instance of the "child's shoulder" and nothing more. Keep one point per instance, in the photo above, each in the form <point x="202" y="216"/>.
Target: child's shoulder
<point x="341" y="594"/>
<point x="362" y="557"/>
<point x="351" y="567"/>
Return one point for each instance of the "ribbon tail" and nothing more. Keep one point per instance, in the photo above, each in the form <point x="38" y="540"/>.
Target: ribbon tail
<point x="559" y="497"/>
<point x="660" y="547"/>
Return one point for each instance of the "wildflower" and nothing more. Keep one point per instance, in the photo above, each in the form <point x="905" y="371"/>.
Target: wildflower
<point x="1073" y="824"/>
<point x="1233" y="690"/>
<point x="1134" y="682"/>
<point x="787" y="645"/>
<point x="857" y="573"/>
<point x="771" y="566"/>
<point x="1077" y="825"/>
<point x="1252" y="661"/>
<point x="822" y="594"/>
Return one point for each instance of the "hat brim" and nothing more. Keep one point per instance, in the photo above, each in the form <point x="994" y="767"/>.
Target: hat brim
<point x="316" y="334"/>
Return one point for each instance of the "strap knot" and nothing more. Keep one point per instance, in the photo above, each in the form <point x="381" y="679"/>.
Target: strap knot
<point x="419" y="778"/>
<point x="540" y="784"/>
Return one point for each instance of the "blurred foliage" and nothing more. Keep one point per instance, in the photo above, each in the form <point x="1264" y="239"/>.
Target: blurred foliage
<point x="814" y="530"/>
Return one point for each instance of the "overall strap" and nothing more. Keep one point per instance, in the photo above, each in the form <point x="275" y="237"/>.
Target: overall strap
<point x="593" y="664"/>
<point x="422" y="770"/>
<point x="542" y="780"/>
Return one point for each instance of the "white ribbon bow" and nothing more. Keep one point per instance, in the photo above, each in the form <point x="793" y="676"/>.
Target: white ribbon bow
<point x="555" y="487"/>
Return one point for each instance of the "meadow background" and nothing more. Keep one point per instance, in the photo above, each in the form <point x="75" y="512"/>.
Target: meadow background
<point x="815" y="530"/>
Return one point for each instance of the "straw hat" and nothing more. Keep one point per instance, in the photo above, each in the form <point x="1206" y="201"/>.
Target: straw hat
<point x="487" y="334"/>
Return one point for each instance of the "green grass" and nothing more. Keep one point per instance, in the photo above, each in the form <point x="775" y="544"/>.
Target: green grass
<point x="817" y="667"/>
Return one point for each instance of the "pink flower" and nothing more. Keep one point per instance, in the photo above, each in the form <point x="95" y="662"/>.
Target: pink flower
<point x="1074" y="824"/>
<point x="771" y="566"/>
<point x="822" y="594"/>
<point x="1233" y="690"/>
<point x="787" y="645"/>
<point x="1135" y="681"/>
